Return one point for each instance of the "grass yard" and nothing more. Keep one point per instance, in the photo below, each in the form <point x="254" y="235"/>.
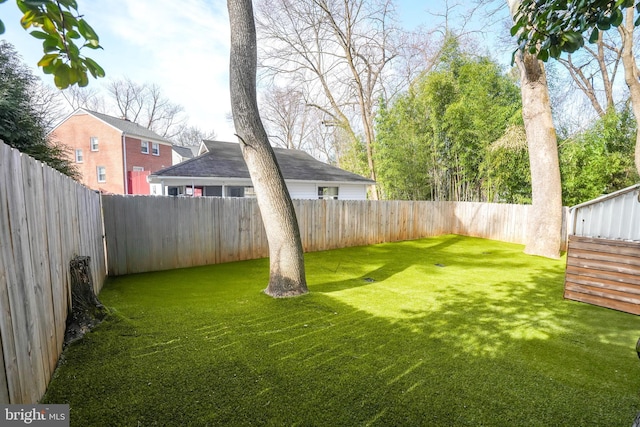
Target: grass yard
<point x="441" y="331"/>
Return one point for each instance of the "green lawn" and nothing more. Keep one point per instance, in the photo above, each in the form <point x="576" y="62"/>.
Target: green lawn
<point x="442" y="331"/>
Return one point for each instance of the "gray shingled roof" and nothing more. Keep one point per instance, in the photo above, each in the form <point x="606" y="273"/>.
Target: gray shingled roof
<point x="129" y="127"/>
<point x="186" y="152"/>
<point x="224" y="160"/>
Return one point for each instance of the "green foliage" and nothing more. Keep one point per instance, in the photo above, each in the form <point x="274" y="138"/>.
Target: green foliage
<point x="402" y="150"/>
<point x="432" y="142"/>
<point x="22" y="124"/>
<point x="507" y="168"/>
<point x="353" y="155"/>
<point x="64" y="33"/>
<point x="448" y="331"/>
<point x="551" y="27"/>
<point x="600" y="160"/>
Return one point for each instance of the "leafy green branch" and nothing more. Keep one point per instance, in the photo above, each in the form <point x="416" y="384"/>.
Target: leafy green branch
<point x="550" y="27"/>
<point x="64" y="34"/>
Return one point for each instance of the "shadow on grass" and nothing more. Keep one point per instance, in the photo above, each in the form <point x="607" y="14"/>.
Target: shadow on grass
<point x="484" y="340"/>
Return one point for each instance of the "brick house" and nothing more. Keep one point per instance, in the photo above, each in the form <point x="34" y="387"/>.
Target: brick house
<point x="113" y="155"/>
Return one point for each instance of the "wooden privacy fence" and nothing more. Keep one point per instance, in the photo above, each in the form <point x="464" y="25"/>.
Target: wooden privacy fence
<point x="45" y="220"/>
<point x="149" y="233"/>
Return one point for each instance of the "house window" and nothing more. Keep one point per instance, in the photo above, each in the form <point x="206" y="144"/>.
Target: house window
<point x="79" y="157"/>
<point x="328" y="193"/>
<point x="213" y="190"/>
<point x="235" y="191"/>
<point x="93" y="142"/>
<point x="155" y="149"/>
<point x="144" y="147"/>
<point x="102" y="174"/>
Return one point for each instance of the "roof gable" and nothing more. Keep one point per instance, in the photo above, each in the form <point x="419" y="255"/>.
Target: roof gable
<point x="224" y="160"/>
<point x="183" y="151"/>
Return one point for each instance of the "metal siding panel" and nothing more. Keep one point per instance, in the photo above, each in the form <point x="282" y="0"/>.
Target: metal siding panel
<point x="617" y="218"/>
<point x="635" y="214"/>
<point x="626" y="216"/>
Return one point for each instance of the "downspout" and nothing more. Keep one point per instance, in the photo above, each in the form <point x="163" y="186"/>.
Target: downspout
<point x="124" y="161"/>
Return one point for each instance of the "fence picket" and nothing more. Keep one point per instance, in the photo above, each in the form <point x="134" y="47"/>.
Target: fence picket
<point x="45" y="219"/>
<point x="202" y="231"/>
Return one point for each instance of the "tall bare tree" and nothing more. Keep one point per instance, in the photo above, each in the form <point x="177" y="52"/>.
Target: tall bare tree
<point x="631" y="73"/>
<point x="193" y="135"/>
<point x="545" y="222"/>
<point x="339" y="50"/>
<point x="286" y="260"/>
<point x="144" y="104"/>
<point x="84" y="97"/>
<point x="594" y="70"/>
<point x="286" y="116"/>
<point x="293" y="124"/>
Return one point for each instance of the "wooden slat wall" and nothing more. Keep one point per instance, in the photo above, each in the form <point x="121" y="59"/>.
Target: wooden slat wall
<point x="45" y="220"/>
<point x="604" y="273"/>
<point x="150" y="233"/>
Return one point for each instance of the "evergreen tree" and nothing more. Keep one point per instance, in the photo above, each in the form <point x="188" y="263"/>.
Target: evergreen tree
<point x="22" y="124"/>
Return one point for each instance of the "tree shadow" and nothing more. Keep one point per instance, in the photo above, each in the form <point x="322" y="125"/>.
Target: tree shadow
<point x="485" y="340"/>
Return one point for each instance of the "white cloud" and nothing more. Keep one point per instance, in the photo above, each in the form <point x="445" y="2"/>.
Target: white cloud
<point x="183" y="46"/>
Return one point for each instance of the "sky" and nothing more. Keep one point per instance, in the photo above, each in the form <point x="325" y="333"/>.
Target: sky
<point x="180" y="45"/>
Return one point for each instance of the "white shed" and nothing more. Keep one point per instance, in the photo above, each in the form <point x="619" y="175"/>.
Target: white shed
<point x="614" y="216"/>
<point x="603" y="255"/>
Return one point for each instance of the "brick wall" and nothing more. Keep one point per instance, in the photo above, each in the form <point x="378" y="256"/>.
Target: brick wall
<point x="76" y="133"/>
<point x="150" y="161"/>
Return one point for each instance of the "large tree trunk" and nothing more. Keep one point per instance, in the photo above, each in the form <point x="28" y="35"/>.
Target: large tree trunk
<point x="544" y="234"/>
<point x="286" y="274"/>
<point x="631" y="73"/>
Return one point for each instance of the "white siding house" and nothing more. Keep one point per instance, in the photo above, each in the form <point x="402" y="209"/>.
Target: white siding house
<point x="220" y="171"/>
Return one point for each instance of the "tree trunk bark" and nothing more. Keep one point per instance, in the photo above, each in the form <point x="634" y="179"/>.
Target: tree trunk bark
<point x="286" y="273"/>
<point x="631" y="73"/>
<point x="544" y="236"/>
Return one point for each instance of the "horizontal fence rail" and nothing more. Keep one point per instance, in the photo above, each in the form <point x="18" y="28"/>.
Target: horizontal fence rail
<point x="150" y="233"/>
<point x="46" y="219"/>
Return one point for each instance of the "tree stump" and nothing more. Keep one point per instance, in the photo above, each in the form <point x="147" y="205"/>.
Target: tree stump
<point x="86" y="311"/>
